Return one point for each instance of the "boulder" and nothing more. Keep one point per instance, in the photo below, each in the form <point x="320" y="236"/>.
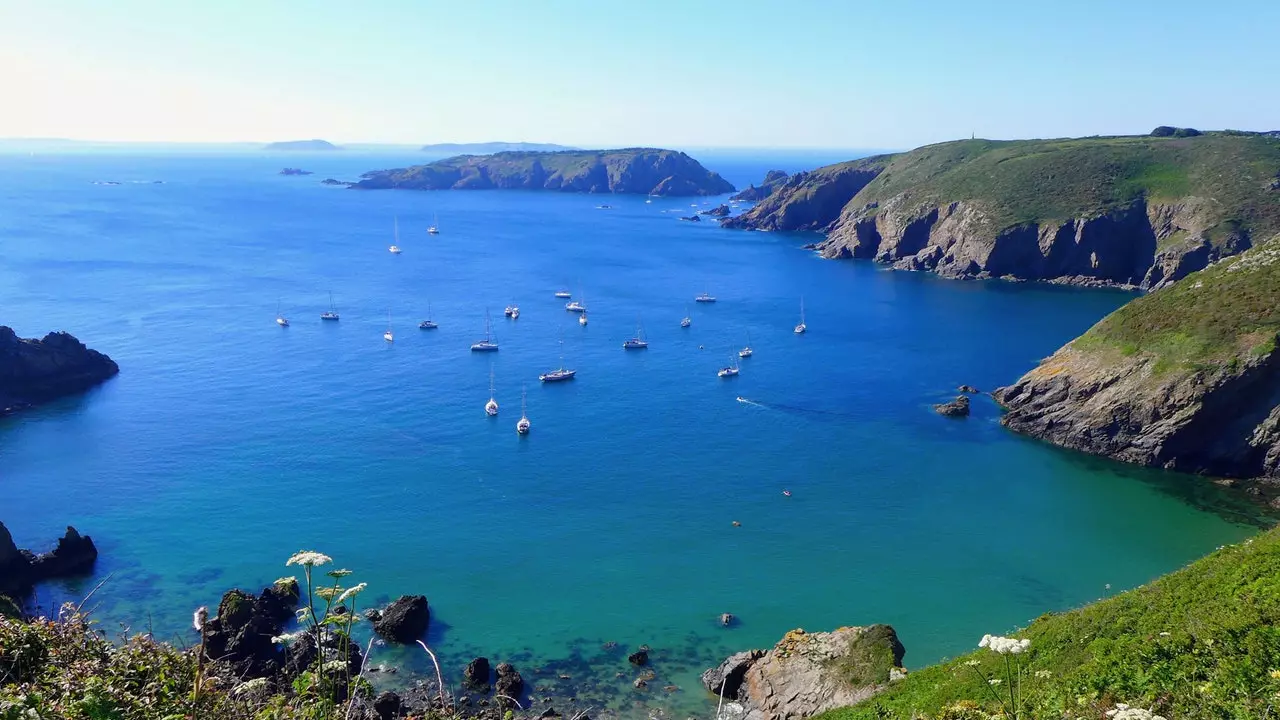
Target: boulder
<point x="476" y="676"/>
<point x="726" y="679"/>
<point x="404" y="620"/>
<point x="639" y="657"/>
<point x="509" y="682"/>
<point x="727" y="619"/>
<point x="809" y="673"/>
<point x="387" y="706"/>
<point x="956" y="408"/>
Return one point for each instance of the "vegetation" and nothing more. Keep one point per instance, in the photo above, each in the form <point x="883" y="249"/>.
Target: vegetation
<point x="1223" y="314"/>
<point x="1203" y="642"/>
<point x="1026" y="181"/>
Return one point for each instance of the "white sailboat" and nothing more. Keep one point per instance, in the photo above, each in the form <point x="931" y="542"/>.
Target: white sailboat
<point x="395" y="246"/>
<point x="491" y="407"/>
<point x="687" y="321"/>
<point x="523" y="424"/>
<point x="332" y="312"/>
<point x="281" y="320"/>
<point x="801" y="327"/>
<point x="582" y="319"/>
<point x="746" y="351"/>
<point x="428" y="324"/>
<point x="638" y="342"/>
<point x="488" y="344"/>
<point x="435" y="225"/>
<point x="560" y="374"/>
<point x="387" y="335"/>
<point x="729" y="371"/>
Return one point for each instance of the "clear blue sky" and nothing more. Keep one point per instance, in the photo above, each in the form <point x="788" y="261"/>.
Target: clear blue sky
<point x="778" y="73"/>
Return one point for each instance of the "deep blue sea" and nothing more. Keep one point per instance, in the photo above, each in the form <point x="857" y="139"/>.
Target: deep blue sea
<point x="228" y="443"/>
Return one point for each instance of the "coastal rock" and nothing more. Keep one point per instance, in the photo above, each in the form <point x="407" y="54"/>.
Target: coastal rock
<point x="388" y="706"/>
<point x="727" y="619"/>
<point x="726" y="679"/>
<point x="240" y="635"/>
<point x="295" y="171"/>
<point x="773" y="180"/>
<point x="720" y="211"/>
<point x="809" y="673"/>
<point x="404" y="620"/>
<point x="956" y="408"/>
<point x="301" y="654"/>
<point x="692" y="218"/>
<point x="645" y="171"/>
<point x="639" y="657"/>
<point x="20" y="570"/>
<point x="36" y="371"/>
<point x="964" y="209"/>
<point x="476" y="676"/>
<point x="1207" y="404"/>
<point x="968" y="389"/>
<point x="508" y="682"/>
<point x="333" y="181"/>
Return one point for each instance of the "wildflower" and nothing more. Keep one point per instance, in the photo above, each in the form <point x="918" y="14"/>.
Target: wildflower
<point x="1004" y="645"/>
<point x="1125" y="712"/>
<point x="249" y="687"/>
<point x="338" y="574"/>
<point x="200" y="617"/>
<point x="973" y="663"/>
<point x="305" y="615"/>
<point x="352" y="592"/>
<point x="1275" y="674"/>
<point x="285" y="582"/>
<point x="334" y="666"/>
<point x="284" y="639"/>
<point x="1043" y="674"/>
<point x="1165" y="634"/>
<point x="995" y="681"/>
<point x="309" y="558"/>
<point x="328" y="593"/>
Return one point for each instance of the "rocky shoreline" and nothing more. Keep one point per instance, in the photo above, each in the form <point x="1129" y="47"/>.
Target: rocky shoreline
<point x="37" y="371"/>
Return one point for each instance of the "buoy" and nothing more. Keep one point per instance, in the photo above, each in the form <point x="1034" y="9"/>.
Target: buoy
<point x="787" y="493"/>
<point x="737" y="524"/>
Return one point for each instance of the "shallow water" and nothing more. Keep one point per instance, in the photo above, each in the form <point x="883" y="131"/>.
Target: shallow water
<point x="228" y="443"/>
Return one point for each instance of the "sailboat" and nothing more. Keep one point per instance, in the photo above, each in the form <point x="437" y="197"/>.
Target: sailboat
<point x="560" y="374"/>
<point x="395" y="247"/>
<point x="746" y="351"/>
<point x="435" y="225"/>
<point x="801" y="327"/>
<point x="387" y="335"/>
<point x="428" y="324"/>
<point x="705" y="297"/>
<point x="487" y="344"/>
<point x="638" y="342"/>
<point x="281" y="320"/>
<point x="491" y="407"/>
<point x="523" y="424"/>
<point x="332" y="312"/>
<point x="687" y="321"/>
<point x="729" y="371"/>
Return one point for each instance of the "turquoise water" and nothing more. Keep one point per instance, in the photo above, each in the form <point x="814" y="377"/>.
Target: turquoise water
<point x="227" y="443"/>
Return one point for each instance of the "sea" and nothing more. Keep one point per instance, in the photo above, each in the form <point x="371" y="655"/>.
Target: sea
<point x="816" y="489"/>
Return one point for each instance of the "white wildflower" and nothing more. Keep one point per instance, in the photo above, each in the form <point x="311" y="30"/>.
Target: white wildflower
<point x="338" y="574"/>
<point x="1043" y="674"/>
<point x="285" y="582"/>
<point x="328" y="593"/>
<point x="305" y="615"/>
<point x="973" y="663"/>
<point x="249" y="687"/>
<point x="1165" y="634"/>
<point x="995" y="681"/>
<point x="1125" y="712"/>
<point x="285" y="639"/>
<point x="200" y="617"/>
<point x="309" y="558"/>
<point x="985" y="641"/>
<point x="334" y="666"/>
<point x="1004" y="645"/>
<point x="352" y="592"/>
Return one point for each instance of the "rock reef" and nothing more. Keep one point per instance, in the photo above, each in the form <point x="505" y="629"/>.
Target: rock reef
<point x="20" y="570"/>
<point x="36" y="371"/>
<point x="645" y="171"/>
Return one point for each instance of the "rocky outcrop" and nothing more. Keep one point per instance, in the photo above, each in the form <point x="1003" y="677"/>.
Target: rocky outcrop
<point x="809" y="200"/>
<point x="20" y="570"/>
<point x="476" y="675"/>
<point x="808" y="673"/>
<point x="721" y="211"/>
<point x="639" y="657"/>
<point x="333" y="181"/>
<point x="773" y="180"/>
<point x="404" y="620"/>
<point x="1186" y="378"/>
<point x="241" y="634"/>
<point x="36" y="371"/>
<point x="646" y="171"/>
<point x="956" y="408"/>
<point x="509" y="682"/>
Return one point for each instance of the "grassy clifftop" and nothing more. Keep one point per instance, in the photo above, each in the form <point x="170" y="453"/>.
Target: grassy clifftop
<point x="1198" y="643"/>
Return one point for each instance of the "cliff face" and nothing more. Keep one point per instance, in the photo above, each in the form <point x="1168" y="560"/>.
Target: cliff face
<point x="773" y="180"/>
<point x="641" y="171"/>
<point x="35" y="371"/>
<point x="1186" y="378"/>
<point x="1134" y="211"/>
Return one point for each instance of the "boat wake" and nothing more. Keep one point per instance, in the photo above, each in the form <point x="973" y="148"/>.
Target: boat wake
<point x="793" y="408"/>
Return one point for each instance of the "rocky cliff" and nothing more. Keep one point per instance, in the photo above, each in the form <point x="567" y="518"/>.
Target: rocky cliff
<point x="773" y="180"/>
<point x="644" y="171"/>
<point x="1132" y="211"/>
<point x="35" y="371"/>
<point x="807" y="673"/>
<point x="20" y="570"/>
<point x="1185" y="378"/>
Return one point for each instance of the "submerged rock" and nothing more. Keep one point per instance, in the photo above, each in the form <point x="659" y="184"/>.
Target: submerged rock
<point x="639" y="657"/>
<point x="404" y="620"/>
<point x="509" y="682"/>
<point x="727" y="619"/>
<point x="956" y="408"/>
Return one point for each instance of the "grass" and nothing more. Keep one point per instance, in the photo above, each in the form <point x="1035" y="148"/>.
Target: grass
<point x="1229" y="311"/>
<point x="1203" y="642"/>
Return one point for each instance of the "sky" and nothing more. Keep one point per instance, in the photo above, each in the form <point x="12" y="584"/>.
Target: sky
<point x="678" y="73"/>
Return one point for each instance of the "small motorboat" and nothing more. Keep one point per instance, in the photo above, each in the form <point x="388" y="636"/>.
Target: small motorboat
<point x="705" y="298"/>
<point x="512" y="312"/>
<point x="787" y="493"/>
<point x="394" y="249"/>
<point x="281" y="320"/>
<point x="558" y="375"/>
<point x="563" y="294"/>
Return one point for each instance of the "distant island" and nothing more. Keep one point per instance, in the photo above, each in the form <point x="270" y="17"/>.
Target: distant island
<point x="302" y="145"/>
<point x="643" y="171"/>
<point x="489" y="148"/>
<point x="295" y="171"/>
